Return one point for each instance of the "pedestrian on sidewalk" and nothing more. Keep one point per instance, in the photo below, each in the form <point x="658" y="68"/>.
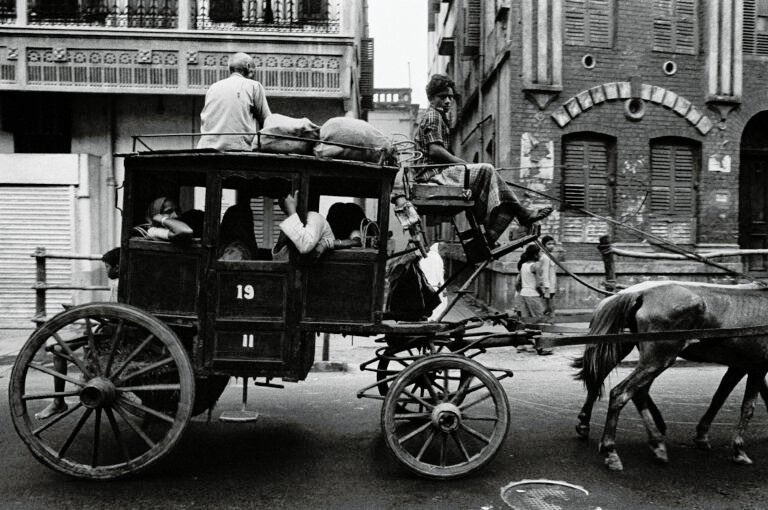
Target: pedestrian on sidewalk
<point x="530" y="288"/>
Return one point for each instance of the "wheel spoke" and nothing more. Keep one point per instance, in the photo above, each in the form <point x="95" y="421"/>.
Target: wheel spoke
<point x="151" y="387"/>
<point x="114" y="342"/>
<point x="460" y="444"/>
<point x="96" y="438"/>
<point x="413" y="416"/>
<point x="132" y="355"/>
<point x="475" y="433"/>
<point x="77" y="361"/>
<point x="55" y="373"/>
<point x="430" y="389"/>
<point x="118" y="435"/>
<point x="75" y="431"/>
<point x="426" y="444"/>
<point x="53" y="394"/>
<point x="56" y="419"/>
<point x="146" y="369"/>
<point x="141" y="407"/>
<point x="414" y="433"/>
<point x="474" y="403"/>
<point x="443" y="444"/>
<point x="94" y="355"/>
<point x="462" y="391"/>
<point x="134" y="427"/>
<point x="419" y="400"/>
<point x="480" y="418"/>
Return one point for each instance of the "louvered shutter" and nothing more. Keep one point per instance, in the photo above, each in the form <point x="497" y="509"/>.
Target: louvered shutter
<point x="226" y="10"/>
<point x="589" y="23"/>
<point x="266" y="221"/>
<point x="32" y="216"/>
<point x="600" y="23"/>
<point x="748" y="27"/>
<point x="366" y="74"/>
<point x="673" y="173"/>
<point x="585" y="179"/>
<point x="575" y="22"/>
<point x="674" y="26"/>
<point x="472" y="20"/>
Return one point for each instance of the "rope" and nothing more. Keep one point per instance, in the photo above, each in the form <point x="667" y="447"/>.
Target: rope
<point x="569" y="273"/>
<point x="660" y="242"/>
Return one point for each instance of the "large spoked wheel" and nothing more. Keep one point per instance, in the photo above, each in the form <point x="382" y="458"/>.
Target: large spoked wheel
<point x="101" y="391"/>
<point x="445" y="416"/>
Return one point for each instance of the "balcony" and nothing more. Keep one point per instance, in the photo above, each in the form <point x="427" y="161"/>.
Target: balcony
<point x="318" y="16"/>
<point x="176" y="46"/>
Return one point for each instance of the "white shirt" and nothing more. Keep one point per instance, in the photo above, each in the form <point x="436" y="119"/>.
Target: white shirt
<point x="306" y="237"/>
<point x="233" y="105"/>
<point x="529" y="279"/>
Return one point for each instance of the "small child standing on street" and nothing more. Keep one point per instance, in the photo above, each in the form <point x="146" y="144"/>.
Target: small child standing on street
<point x="548" y="272"/>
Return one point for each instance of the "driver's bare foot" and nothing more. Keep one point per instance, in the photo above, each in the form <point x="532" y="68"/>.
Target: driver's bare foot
<point x="536" y="217"/>
<point x="55" y="407"/>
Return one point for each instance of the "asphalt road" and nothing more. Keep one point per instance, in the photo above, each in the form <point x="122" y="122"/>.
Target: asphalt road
<point x="317" y="446"/>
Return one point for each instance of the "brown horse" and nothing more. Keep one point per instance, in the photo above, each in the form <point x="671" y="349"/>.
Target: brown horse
<point x="664" y="306"/>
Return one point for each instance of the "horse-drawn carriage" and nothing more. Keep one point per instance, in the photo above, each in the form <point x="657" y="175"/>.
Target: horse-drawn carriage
<point x="136" y="372"/>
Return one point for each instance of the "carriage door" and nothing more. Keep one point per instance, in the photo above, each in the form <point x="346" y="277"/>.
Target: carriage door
<point x="250" y="318"/>
<point x="753" y="193"/>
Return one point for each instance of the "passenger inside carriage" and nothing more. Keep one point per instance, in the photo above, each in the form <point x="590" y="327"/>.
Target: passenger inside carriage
<point x="237" y="240"/>
<point x="162" y="222"/>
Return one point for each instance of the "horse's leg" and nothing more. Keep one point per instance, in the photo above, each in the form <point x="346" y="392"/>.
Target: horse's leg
<point x="642" y="376"/>
<point x="654" y="423"/>
<point x="729" y="381"/>
<point x="582" y="427"/>
<point x="754" y="381"/>
<point x="764" y="393"/>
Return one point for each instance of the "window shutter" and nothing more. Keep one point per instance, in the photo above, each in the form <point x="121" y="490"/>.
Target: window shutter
<point x="366" y="74"/>
<point x="472" y="20"/>
<point x="673" y="174"/>
<point x="226" y="11"/>
<point x="748" y="34"/>
<point x="674" y="26"/>
<point x="575" y="23"/>
<point x="574" y="178"/>
<point x="600" y="21"/>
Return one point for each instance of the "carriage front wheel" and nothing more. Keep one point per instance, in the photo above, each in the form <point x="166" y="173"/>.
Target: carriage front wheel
<point x="101" y="391"/>
<point x="445" y="416"/>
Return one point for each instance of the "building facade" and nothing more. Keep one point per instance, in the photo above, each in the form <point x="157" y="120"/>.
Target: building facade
<point x="646" y="112"/>
<point x="79" y="79"/>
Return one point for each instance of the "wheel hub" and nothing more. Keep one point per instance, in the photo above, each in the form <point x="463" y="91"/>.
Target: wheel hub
<point x="99" y="392"/>
<point x="446" y="417"/>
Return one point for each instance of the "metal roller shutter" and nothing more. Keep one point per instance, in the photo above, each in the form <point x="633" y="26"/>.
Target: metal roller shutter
<point x="32" y="216"/>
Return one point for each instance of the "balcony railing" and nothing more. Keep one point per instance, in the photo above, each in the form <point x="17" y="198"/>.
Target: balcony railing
<point x="320" y="16"/>
<point x="109" y="13"/>
<point x="271" y="15"/>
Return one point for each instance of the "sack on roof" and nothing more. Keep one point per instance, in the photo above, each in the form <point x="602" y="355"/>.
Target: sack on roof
<point x="369" y="141"/>
<point x="282" y="125"/>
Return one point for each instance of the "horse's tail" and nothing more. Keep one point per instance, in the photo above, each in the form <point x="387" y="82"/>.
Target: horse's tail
<point x="611" y="316"/>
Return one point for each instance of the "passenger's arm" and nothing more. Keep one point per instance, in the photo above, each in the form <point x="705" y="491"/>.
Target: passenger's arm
<point x="304" y="237"/>
<point x="177" y="230"/>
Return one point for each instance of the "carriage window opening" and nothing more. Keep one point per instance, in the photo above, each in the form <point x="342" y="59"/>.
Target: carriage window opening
<point x="250" y="217"/>
<point x="184" y="193"/>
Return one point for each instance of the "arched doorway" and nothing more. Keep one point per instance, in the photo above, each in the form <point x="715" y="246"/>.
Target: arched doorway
<point x="753" y="192"/>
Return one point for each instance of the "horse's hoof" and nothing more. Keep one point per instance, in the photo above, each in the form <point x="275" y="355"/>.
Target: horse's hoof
<point x="613" y="462"/>
<point x="659" y="452"/>
<point x="582" y="430"/>
<point x="702" y="443"/>
<point x="742" y="459"/>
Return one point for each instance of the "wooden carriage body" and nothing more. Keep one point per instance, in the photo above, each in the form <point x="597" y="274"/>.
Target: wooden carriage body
<point x="252" y="317"/>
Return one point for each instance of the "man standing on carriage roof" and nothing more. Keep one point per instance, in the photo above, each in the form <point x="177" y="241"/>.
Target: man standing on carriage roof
<point x="495" y="203"/>
<point x="237" y="104"/>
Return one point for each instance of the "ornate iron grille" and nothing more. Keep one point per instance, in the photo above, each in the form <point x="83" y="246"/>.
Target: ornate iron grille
<point x="109" y="13"/>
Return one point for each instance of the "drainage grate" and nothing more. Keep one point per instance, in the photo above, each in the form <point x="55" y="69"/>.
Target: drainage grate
<point x="545" y="495"/>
